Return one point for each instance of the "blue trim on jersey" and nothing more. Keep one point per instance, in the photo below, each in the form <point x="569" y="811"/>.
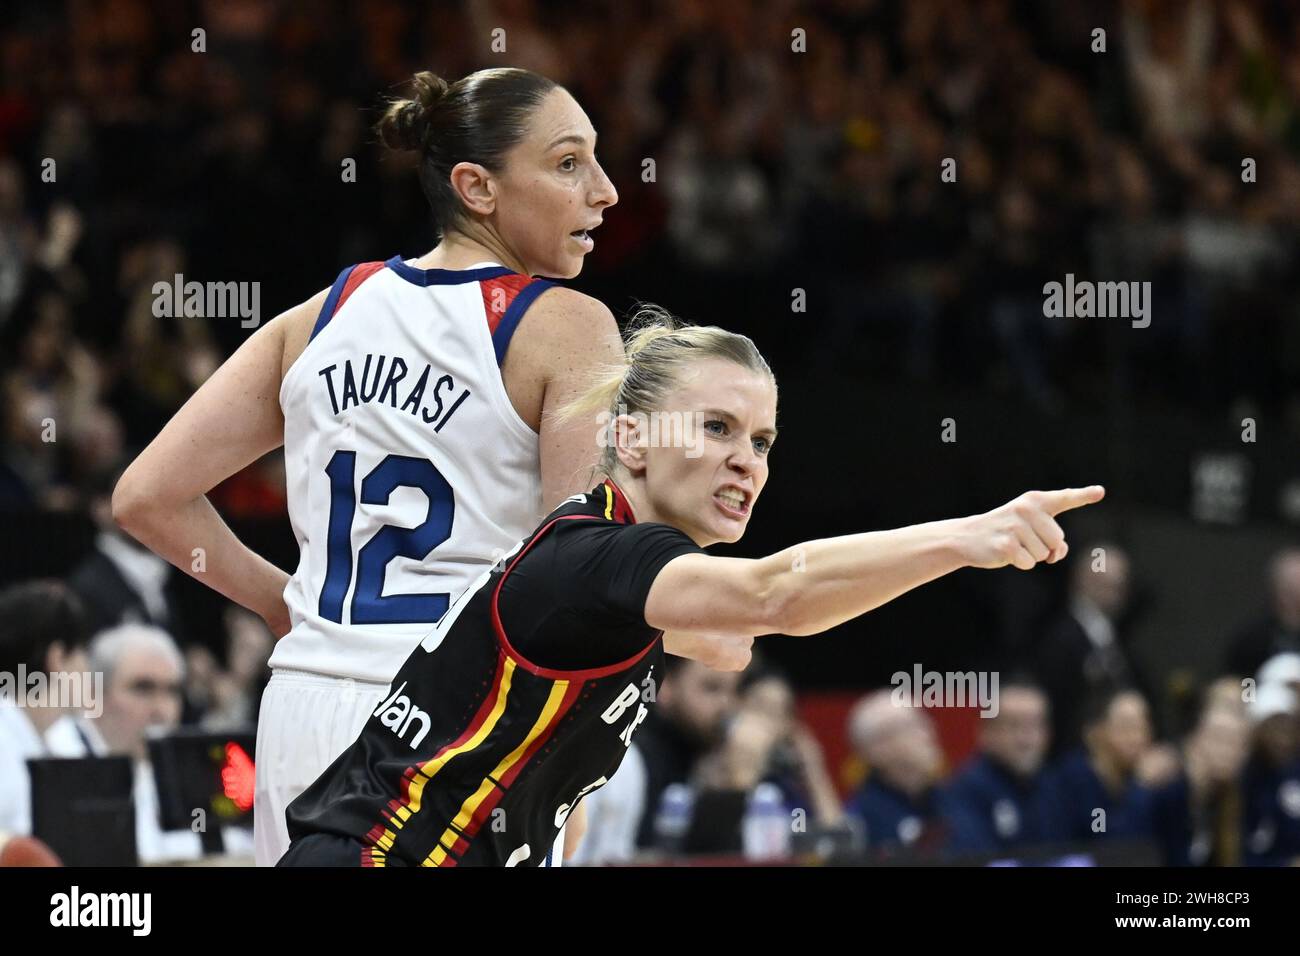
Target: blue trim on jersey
<point x="331" y="302"/>
<point x="445" y="276"/>
<point x="510" y="321"/>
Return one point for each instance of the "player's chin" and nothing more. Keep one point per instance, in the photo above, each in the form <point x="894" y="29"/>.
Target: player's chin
<point x="730" y="530"/>
<point x="568" y="266"/>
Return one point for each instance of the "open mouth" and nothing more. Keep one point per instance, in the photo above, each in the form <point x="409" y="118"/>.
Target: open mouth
<point x="733" y="502"/>
<point x="584" y="237"/>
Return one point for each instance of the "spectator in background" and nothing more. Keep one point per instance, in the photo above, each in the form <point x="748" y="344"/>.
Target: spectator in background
<point x="900" y="805"/>
<point x="767" y="780"/>
<point x="143" y="679"/>
<point x="1281" y="668"/>
<point x="1197" y="816"/>
<point x="1084" y="652"/>
<point x="43" y="632"/>
<point x="201" y="673"/>
<point x="795" y="763"/>
<point x="1272" y="778"/>
<point x="694" y="704"/>
<point x="121" y="581"/>
<point x="237" y="689"/>
<point x="1000" y="799"/>
<point x="1279" y="630"/>
<point x="1096" y="791"/>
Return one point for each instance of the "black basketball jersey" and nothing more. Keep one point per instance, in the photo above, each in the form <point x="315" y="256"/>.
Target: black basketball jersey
<point x="523" y="699"/>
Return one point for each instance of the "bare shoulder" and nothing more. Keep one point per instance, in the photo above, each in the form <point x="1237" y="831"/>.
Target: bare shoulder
<point x="574" y="307"/>
<point x="295" y="325"/>
<point x="565" y="323"/>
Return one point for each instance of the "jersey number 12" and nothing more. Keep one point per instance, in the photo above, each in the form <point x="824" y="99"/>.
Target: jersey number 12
<point x="369" y="603"/>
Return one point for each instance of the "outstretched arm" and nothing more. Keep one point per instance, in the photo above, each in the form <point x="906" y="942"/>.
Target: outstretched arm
<point x="816" y="585"/>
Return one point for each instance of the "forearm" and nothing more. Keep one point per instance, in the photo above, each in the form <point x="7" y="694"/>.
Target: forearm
<point x="193" y="537"/>
<point x="818" y="584"/>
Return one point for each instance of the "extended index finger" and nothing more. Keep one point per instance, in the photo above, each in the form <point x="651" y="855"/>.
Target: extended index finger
<point x="1067" y="499"/>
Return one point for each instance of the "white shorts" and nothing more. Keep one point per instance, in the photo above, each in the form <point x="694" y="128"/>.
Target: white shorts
<point x="305" y="722"/>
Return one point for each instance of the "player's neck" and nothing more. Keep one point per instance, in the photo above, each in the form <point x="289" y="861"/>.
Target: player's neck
<point x="457" y="251"/>
<point x="644" y="511"/>
<point x="633" y="490"/>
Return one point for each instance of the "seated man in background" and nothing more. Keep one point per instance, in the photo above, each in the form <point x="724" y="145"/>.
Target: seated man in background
<point x="901" y="805"/>
<point x="1000" y="797"/>
<point x="143" y="678"/>
<point x="695" y="703"/>
<point x="1086" y="651"/>
<point x="766" y="782"/>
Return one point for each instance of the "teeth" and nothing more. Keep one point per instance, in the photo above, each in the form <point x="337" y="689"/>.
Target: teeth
<point x="736" y="501"/>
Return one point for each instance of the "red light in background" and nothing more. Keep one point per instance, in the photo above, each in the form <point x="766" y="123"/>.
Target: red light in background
<point x="238" y="776"/>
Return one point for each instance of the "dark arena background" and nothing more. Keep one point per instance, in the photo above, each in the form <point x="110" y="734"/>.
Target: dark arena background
<point x="987" y="247"/>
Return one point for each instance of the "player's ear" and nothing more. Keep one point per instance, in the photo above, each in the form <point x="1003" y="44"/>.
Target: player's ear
<point x="630" y="441"/>
<point x="475" y="187"/>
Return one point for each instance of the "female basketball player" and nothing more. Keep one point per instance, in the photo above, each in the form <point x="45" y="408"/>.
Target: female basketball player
<point x="414" y="401"/>
<point x="527" y="694"/>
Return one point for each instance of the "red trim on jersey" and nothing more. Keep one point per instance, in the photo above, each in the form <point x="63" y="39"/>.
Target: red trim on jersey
<point x="496" y="303"/>
<point x="507" y="780"/>
<point x="359" y="274"/>
<point x="551" y="673"/>
<point x="485" y="708"/>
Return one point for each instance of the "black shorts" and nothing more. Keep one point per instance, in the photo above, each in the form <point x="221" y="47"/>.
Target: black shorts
<point x="327" y="849"/>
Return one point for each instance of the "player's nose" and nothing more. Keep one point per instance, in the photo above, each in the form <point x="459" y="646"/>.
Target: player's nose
<point x="743" y="459"/>
<point x="603" y="192"/>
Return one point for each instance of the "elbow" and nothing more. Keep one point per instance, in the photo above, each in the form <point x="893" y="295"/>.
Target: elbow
<point x="777" y="597"/>
<point x="130" y="503"/>
<point x="788" y="603"/>
<point x="729" y="653"/>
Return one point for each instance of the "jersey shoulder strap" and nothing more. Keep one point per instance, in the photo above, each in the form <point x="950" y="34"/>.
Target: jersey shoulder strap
<point x="505" y="300"/>
<point x="347" y="282"/>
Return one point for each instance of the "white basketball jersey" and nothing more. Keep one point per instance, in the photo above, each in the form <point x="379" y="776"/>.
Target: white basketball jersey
<point x="409" y="472"/>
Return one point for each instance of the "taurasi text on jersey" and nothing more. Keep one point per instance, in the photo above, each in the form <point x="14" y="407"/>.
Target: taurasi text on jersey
<point x="346" y="390"/>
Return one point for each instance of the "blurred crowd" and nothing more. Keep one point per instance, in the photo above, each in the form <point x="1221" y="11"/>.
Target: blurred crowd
<point x="128" y="157"/>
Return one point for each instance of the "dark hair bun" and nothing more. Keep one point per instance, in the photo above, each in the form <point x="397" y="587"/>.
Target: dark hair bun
<point x="405" y="124"/>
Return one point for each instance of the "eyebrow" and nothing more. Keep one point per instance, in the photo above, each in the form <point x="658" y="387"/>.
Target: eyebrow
<point x="722" y="413"/>
<point x="569" y="138"/>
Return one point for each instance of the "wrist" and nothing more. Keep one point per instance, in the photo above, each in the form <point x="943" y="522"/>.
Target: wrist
<point x="956" y="541"/>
